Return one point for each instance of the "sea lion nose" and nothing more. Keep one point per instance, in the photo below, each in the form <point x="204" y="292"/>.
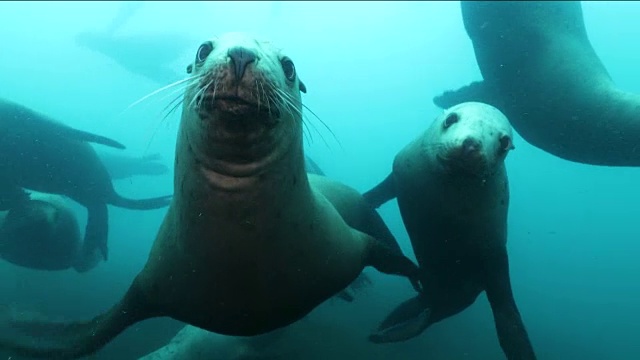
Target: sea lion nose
<point x="241" y="57"/>
<point x="470" y="146"/>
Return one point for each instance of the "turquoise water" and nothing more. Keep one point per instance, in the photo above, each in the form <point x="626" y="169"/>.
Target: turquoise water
<point x="371" y="69"/>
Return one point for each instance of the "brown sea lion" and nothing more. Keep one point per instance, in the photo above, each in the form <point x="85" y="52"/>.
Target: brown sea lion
<point x="540" y="69"/>
<point x="40" y="154"/>
<point x="453" y="194"/>
<point x="248" y="245"/>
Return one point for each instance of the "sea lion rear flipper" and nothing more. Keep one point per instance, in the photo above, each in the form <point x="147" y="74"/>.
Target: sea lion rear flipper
<point x="391" y="261"/>
<point x="95" y="236"/>
<point x="476" y="91"/>
<point x="381" y="193"/>
<point x="407" y="321"/>
<point x="70" y="340"/>
<point x="512" y="333"/>
<point x="140" y="204"/>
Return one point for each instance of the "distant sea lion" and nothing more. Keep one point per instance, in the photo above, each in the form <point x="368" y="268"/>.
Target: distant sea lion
<point x="453" y="194"/>
<point x="540" y="69"/>
<point x="248" y="245"/>
<point x="42" y="233"/>
<point x="125" y="166"/>
<point x="38" y="153"/>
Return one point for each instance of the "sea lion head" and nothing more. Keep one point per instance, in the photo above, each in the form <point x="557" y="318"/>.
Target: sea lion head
<point x="243" y="109"/>
<point x="471" y="138"/>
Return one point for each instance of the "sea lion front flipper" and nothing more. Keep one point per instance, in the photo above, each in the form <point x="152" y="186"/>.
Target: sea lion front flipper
<point x="93" y="138"/>
<point x="406" y="321"/>
<point x="478" y="91"/>
<point x="381" y="193"/>
<point x="72" y="340"/>
<point x="391" y="261"/>
<point x="96" y="232"/>
<point x="512" y="333"/>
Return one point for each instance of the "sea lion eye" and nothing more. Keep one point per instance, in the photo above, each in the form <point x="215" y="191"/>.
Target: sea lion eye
<point x="505" y="143"/>
<point x="203" y="51"/>
<point x="289" y="68"/>
<point x="450" y="120"/>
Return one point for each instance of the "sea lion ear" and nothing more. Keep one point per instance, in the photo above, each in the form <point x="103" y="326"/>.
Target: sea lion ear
<point x="302" y="87"/>
<point x="189" y="68"/>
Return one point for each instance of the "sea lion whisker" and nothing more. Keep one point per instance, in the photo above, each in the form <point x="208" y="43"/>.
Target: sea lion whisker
<point x="155" y="92"/>
<point x="306" y="124"/>
<point x="291" y="107"/>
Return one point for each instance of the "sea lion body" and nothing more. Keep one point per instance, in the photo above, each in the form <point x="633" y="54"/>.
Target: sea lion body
<point x="540" y="69"/>
<point x="247" y="245"/>
<point x="452" y="190"/>
<point x="38" y="153"/>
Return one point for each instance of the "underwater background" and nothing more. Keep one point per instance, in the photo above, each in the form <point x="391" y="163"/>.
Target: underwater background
<point x="371" y="69"/>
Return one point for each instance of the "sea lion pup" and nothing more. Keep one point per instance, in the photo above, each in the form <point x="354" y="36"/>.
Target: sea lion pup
<point x="43" y="234"/>
<point x="38" y="153"/>
<point x="540" y="69"/>
<point x="247" y="245"/>
<point x="452" y="191"/>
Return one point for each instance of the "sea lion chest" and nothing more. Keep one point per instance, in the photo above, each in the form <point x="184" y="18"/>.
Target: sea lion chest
<point x="268" y="262"/>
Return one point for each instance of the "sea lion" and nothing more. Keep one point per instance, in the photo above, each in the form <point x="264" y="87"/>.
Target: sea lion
<point x="453" y="194"/>
<point x="540" y="69"/>
<point x="248" y="245"/>
<point x="42" y="233"/>
<point x="38" y="153"/>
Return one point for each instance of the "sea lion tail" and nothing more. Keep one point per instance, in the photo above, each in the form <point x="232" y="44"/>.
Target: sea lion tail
<point x="140" y="204"/>
<point x="407" y="321"/>
<point x="34" y="337"/>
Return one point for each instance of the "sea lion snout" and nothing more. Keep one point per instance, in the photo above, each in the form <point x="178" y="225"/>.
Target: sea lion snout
<point x="470" y="146"/>
<point x="241" y="57"/>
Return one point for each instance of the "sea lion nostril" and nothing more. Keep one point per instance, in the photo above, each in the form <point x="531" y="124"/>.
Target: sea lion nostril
<point x="470" y="145"/>
<point x="241" y="57"/>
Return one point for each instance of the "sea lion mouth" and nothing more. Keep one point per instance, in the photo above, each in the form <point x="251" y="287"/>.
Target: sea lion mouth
<point x="237" y="107"/>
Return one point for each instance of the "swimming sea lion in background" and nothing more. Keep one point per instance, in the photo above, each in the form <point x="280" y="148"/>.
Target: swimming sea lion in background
<point x="43" y="234"/>
<point x="38" y="153"/>
<point x="453" y="194"/>
<point x="540" y="69"/>
<point x="126" y="166"/>
<point x="247" y="245"/>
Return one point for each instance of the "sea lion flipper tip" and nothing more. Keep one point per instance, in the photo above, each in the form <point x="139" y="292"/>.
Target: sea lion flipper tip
<point x="477" y="91"/>
<point x="406" y="321"/>
<point x="391" y="261"/>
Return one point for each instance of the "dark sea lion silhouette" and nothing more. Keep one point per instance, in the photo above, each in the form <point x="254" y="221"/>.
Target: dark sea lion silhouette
<point x="540" y="69"/>
<point x="41" y="154"/>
